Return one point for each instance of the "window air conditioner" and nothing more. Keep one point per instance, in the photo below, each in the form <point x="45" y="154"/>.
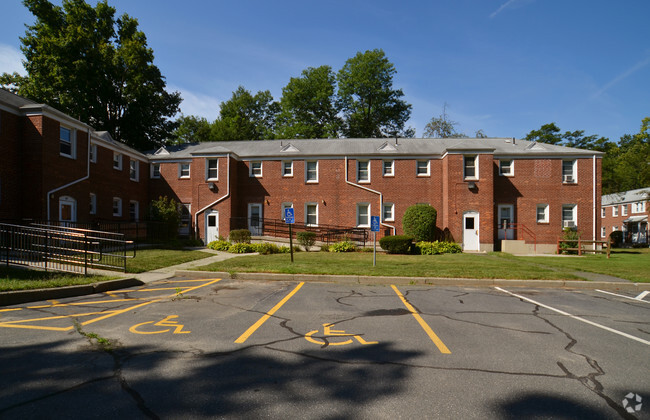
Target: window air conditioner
<point x="568" y="224"/>
<point x="568" y="179"/>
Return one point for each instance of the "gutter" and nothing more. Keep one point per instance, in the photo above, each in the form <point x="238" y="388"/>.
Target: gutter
<point x="218" y="200"/>
<point x="47" y="196"/>
<point x="381" y="196"/>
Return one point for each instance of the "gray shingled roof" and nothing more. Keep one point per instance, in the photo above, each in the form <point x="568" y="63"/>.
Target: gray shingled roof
<point x="365" y="147"/>
<point x="631" y="196"/>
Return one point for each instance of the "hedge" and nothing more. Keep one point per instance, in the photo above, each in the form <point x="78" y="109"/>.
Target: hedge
<point x="433" y="248"/>
<point x="398" y="244"/>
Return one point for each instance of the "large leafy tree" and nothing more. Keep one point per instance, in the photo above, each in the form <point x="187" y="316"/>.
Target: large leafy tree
<point x="192" y="129"/>
<point x="367" y="99"/>
<point x="630" y="162"/>
<point x="97" y="68"/>
<point x="307" y="105"/>
<point x="551" y="134"/>
<point x="246" y="116"/>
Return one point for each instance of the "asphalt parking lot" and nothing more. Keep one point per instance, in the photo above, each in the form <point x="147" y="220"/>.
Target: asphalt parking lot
<point x="206" y="348"/>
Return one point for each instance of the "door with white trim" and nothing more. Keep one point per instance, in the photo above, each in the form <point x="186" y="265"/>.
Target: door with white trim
<point x="67" y="210"/>
<point x="211" y="226"/>
<point x="255" y="219"/>
<point x="506" y="214"/>
<point x="470" y="231"/>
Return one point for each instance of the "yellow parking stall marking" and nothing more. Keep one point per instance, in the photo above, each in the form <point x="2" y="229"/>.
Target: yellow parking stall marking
<point x="178" y="328"/>
<point x="11" y="309"/>
<point x="437" y="341"/>
<point x="329" y="332"/>
<point x="266" y="316"/>
<point x="104" y="314"/>
<point x="61" y="305"/>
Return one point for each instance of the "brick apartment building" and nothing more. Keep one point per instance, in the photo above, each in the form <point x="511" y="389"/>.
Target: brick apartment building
<point x="484" y="190"/>
<point x="628" y="212"/>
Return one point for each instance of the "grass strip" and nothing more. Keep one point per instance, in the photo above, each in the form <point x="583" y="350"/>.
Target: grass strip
<point x="152" y="259"/>
<point x="23" y="279"/>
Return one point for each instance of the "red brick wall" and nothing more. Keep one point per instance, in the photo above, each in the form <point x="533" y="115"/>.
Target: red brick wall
<point x="10" y="169"/>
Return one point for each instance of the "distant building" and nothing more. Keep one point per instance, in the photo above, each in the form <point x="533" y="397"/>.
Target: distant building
<point x="628" y="212"/>
<point x="57" y="168"/>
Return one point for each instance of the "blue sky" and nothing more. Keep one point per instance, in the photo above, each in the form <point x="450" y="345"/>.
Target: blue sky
<point x="503" y="66"/>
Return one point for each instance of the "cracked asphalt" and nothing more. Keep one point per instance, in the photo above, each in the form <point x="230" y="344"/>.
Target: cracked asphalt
<point x="209" y="348"/>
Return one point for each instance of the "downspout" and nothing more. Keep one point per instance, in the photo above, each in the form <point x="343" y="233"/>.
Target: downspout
<point x="47" y="197"/>
<point x="594" y="197"/>
<point x="381" y="196"/>
<point x="218" y="200"/>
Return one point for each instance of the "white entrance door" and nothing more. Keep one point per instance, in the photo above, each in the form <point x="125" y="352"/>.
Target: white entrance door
<point x="255" y="219"/>
<point x="470" y="231"/>
<point x="506" y="218"/>
<point x="67" y="210"/>
<point x="211" y="226"/>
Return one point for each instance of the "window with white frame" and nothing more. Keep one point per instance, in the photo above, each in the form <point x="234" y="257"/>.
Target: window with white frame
<point x="117" y="206"/>
<point x="311" y="171"/>
<point x="614" y="229"/>
<point x="542" y="213"/>
<point x="212" y="169"/>
<point x="624" y="210"/>
<point x="506" y="167"/>
<point x="389" y="168"/>
<point x="283" y="207"/>
<point x="311" y="214"/>
<point x="184" y="170"/>
<point x="255" y="169"/>
<point x="155" y="170"/>
<point x="363" y="215"/>
<point x="422" y="167"/>
<point x="569" y="213"/>
<point x="614" y="211"/>
<point x="603" y="232"/>
<point x="93" y="153"/>
<point x="470" y="167"/>
<point x="93" y="204"/>
<point x="67" y="142"/>
<point x="287" y="168"/>
<point x="569" y="171"/>
<point x="134" y="170"/>
<point x="134" y="211"/>
<point x="603" y="212"/>
<point x="388" y="212"/>
<point x="117" y="161"/>
<point x="363" y="171"/>
<point x="638" y="207"/>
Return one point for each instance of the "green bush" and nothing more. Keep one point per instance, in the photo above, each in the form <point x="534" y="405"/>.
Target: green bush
<point x="325" y="248"/>
<point x="165" y="210"/>
<point x="343" y="246"/>
<point x="265" y="248"/>
<point x="306" y="239"/>
<point x="240" y="236"/>
<point x="242" y="248"/>
<point x="219" y="245"/>
<point x="366" y="249"/>
<point x="420" y="222"/>
<point x="571" y="235"/>
<point x="434" y="248"/>
<point x="398" y="244"/>
<point x="616" y="238"/>
<point x="286" y="249"/>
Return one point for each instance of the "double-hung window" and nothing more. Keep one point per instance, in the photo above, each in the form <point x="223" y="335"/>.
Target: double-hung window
<point x="311" y="171"/>
<point x="614" y="211"/>
<point x="211" y="169"/>
<point x="389" y="168"/>
<point x="542" y="213"/>
<point x="363" y="215"/>
<point x="255" y="169"/>
<point x="287" y="168"/>
<point x="117" y="206"/>
<point x="155" y="170"/>
<point x="470" y="169"/>
<point x="67" y="142"/>
<point x="388" y="212"/>
<point x="93" y="153"/>
<point x="134" y="170"/>
<point x="134" y="212"/>
<point x="569" y="171"/>
<point x="506" y="168"/>
<point x="569" y="215"/>
<point x="363" y="171"/>
<point x="422" y="167"/>
<point x="602" y="212"/>
<point x="311" y="214"/>
<point x="624" y="210"/>
<point x="184" y="170"/>
<point x="93" y="204"/>
<point x="117" y="161"/>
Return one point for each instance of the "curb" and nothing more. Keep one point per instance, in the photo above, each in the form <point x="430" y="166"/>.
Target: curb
<point x="429" y="281"/>
<point x="24" y="296"/>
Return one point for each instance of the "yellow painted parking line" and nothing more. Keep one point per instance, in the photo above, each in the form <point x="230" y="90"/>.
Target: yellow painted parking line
<point x="437" y="341"/>
<point x="61" y="305"/>
<point x="11" y="309"/>
<point x="266" y="316"/>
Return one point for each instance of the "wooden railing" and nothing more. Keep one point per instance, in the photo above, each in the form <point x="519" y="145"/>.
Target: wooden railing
<point x="580" y="246"/>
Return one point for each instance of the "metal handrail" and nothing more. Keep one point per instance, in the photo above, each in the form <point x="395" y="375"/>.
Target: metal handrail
<point x="524" y="229"/>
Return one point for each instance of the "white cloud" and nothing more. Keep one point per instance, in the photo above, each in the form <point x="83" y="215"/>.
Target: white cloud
<point x="638" y="66"/>
<point x="11" y="60"/>
<point x="509" y="4"/>
<point x="198" y="104"/>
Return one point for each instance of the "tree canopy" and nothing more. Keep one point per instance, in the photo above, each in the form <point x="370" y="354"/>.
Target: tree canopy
<point x="367" y="99"/>
<point x="246" y="116"/>
<point x="97" y="68"/>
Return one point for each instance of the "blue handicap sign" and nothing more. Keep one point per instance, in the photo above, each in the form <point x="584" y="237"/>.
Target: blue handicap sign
<point x="374" y="223"/>
<point x="289" y="217"/>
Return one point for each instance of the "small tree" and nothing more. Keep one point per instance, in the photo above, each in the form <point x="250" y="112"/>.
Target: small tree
<point x="165" y="210"/>
<point x="306" y="239"/>
<point x="420" y="222"/>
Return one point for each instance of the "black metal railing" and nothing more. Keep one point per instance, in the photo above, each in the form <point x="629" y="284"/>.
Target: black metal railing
<point x="151" y="232"/>
<point x="63" y="248"/>
<point x="279" y="229"/>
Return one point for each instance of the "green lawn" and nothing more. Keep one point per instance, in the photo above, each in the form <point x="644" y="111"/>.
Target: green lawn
<point x="633" y="265"/>
<point x="23" y="279"/>
<point x="151" y="259"/>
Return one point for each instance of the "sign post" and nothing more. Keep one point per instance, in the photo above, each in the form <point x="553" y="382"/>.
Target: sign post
<point x="289" y="218"/>
<point x="374" y="228"/>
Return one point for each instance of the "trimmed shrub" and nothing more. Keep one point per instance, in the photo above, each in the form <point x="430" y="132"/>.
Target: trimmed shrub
<point x="434" y="248"/>
<point x="398" y="244"/>
<point x="570" y="235"/>
<point x="219" y="245"/>
<point x="240" y="236"/>
<point x="616" y="238"/>
<point x="242" y="248"/>
<point x="306" y="239"/>
<point x="420" y="222"/>
<point x="343" y="246"/>
<point x="286" y="249"/>
<point x="265" y="248"/>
